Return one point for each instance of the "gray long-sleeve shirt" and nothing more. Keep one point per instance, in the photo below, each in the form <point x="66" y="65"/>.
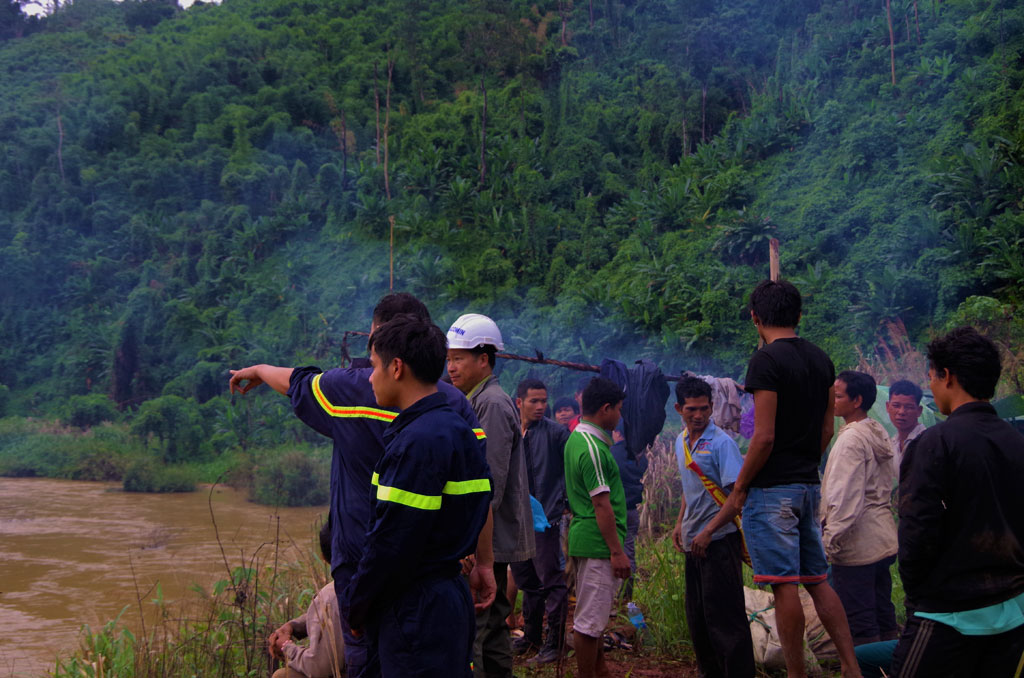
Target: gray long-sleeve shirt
<point x="513" y="519"/>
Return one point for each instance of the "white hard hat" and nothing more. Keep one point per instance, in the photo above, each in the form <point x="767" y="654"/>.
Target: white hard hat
<point x="472" y="330"/>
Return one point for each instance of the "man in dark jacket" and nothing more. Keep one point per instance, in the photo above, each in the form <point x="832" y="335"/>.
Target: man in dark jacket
<point x="542" y="578"/>
<point x="432" y="497"/>
<point x="631" y="471"/>
<point x="961" y="529"/>
<point x="340" y="404"/>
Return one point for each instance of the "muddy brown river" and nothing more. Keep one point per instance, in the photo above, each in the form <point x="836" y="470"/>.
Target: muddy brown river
<point x="68" y="550"/>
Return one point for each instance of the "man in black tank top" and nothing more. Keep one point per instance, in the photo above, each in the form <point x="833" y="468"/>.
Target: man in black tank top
<point x="778" y="488"/>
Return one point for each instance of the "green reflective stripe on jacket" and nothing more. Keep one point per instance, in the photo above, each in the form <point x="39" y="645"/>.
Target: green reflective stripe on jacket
<point x="428" y="502"/>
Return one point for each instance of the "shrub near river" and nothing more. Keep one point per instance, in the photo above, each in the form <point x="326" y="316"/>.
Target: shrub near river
<point x="288" y="475"/>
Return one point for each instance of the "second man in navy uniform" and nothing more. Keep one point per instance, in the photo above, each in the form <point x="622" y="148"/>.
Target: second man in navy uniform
<point x="432" y="495"/>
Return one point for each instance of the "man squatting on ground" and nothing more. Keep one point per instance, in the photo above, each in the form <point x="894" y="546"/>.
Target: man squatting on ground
<point x="473" y="341"/>
<point x="858" y="530"/>
<point x="542" y="578"/>
<point x="961" y="524"/>
<point x="433" y="493"/>
<point x="324" y="656"/>
<point x="715" y="610"/>
<point x="598" y="528"/>
<point x="778" y="488"/>
<point x="340" y="404"/>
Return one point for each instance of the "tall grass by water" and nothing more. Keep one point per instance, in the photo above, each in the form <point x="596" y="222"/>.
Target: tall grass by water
<point x="220" y="630"/>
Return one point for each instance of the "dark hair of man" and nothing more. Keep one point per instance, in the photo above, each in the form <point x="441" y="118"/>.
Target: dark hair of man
<point x="419" y="344"/>
<point x="489" y="350"/>
<point x="859" y="384"/>
<point x="395" y="304"/>
<point x="776" y="303"/>
<point x="905" y="387"/>
<point x="692" y="387"/>
<point x="527" y="384"/>
<point x="600" y="392"/>
<point x="973" y="358"/>
<point x="565" y="402"/>
<point x="325" y="540"/>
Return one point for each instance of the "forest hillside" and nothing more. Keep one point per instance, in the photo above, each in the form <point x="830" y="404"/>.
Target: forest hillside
<point x="184" y="191"/>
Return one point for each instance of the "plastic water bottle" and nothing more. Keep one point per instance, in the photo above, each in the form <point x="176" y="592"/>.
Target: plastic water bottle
<point x="636" y="617"/>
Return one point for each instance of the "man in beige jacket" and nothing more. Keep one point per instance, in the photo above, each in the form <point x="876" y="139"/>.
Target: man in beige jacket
<point x="858" y="529"/>
<point x="324" y="656"/>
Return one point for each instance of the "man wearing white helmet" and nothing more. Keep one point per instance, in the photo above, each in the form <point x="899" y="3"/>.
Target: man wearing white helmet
<point x="473" y="341"/>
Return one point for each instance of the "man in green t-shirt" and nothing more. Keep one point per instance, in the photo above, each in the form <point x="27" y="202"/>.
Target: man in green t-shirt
<point x="598" y="527"/>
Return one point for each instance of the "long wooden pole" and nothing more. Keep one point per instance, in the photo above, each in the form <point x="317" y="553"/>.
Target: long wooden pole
<point x="773" y="259"/>
<point x="892" y="41"/>
<point x="387" y="182"/>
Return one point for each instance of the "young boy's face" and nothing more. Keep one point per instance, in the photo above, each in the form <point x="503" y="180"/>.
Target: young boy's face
<point x="382" y="380"/>
<point x="564" y="415"/>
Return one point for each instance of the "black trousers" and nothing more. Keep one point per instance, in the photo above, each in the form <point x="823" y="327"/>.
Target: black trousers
<point x="428" y="632"/>
<point x="866" y="594"/>
<point x="715" y="611"/>
<point x="542" y="581"/>
<point x="930" y="648"/>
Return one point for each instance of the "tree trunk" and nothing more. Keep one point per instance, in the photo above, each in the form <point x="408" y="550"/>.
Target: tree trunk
<point x="892" y="41"/>
<point x="591" y="14"/>
<point x="917" y="23"/>
<point x="344" y="151"/>
<point x="703" y="114"/>
<point x="376" y="108"/>
<point x="60" y="147"/>
<point x="565" y="21"/>
<point x="387" y="129"/>
<point x="483" y="136"/>
<point x="387" y="181"/>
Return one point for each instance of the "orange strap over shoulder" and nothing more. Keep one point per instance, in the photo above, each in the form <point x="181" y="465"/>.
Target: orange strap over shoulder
<point x="715" y="491"/>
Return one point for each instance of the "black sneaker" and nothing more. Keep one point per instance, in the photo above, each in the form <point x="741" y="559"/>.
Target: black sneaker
<point x="522" y="645"/>
<point x="547" y="655"/>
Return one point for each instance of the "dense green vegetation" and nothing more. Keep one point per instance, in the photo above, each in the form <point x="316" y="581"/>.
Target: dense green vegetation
<point x="186" y="191"/>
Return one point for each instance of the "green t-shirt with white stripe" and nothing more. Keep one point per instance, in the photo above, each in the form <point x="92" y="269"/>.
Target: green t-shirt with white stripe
<point x="590" y="470"/>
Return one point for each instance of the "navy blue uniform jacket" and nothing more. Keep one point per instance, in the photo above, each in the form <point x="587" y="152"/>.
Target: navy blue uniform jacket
<point x="433" y="490"/>
<point x="340" y="404"/>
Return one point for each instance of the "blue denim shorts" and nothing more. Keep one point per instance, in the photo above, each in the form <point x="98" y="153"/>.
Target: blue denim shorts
<point x="783" y="534"/>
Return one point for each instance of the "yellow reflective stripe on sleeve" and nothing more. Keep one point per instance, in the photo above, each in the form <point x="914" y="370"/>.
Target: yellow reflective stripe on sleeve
<point x="406" y="498"/>
<point x="360" y="412"/>
<point x="428" y="502"/>
<point x="480" y="435"/>
<point x="467" y="486"/>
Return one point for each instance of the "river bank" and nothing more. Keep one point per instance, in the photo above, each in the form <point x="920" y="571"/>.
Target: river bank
<point x="280" y="474"/>
<point x="75" y="553"/>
